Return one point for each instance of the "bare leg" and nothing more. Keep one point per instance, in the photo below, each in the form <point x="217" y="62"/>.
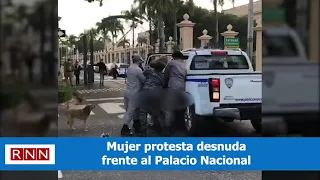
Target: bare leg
<point x="70" y="80"/>
<point x="70" y="122"/>
<point x="85" y="125"/>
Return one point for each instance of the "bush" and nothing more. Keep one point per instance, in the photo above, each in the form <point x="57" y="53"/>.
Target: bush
<point x="65" y="93"/>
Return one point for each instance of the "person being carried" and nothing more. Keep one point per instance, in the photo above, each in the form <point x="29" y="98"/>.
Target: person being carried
<point x="154" y="80"/>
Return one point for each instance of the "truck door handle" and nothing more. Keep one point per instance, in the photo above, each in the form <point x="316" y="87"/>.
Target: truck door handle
<point x="255" y="81"/>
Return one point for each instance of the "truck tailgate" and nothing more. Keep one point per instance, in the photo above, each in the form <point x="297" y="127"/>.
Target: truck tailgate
<point x="290" y="88"/>
<point x="241" y="88"/>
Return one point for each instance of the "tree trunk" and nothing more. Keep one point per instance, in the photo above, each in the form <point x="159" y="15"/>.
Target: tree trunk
<point x="91" y="48"/>
<point x="113" y="43"/>
<point x="133" y="26"/>
<point x="52" y="66"/>
<point x="42" y="43"/>
<point x="175" y="28"/>
<point x="150" y="31"/>
<point x="104" y="43"/>
<point x="161" y="34"/>
<point x="91" y="72"/>
<point x="85" y="59"/>
<point x="217" y="23"/>
<point x="104" y="40"/>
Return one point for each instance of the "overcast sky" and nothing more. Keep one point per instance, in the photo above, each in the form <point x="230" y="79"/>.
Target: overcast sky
<point x="78" y="15"/>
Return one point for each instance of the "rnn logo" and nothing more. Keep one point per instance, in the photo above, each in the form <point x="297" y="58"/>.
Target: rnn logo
<point x="29" y="154"/>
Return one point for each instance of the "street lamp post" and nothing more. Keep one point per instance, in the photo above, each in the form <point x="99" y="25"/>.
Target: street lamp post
<point x="250" y="30"/>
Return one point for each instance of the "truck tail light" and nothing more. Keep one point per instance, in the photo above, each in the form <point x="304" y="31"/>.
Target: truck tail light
<point x="219" y="52"/>
<point x="214" y="90"/>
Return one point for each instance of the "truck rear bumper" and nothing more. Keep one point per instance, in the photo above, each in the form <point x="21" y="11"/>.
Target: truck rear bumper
<point x="227" y="113"/>
<point x="238" y="111"/>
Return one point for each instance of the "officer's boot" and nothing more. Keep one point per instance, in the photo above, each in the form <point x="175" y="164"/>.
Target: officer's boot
<point x="125" y="131"/>
<point x="137" y="127"/>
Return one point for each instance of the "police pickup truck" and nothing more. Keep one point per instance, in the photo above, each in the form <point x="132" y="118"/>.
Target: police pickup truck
<point x="223" y="85"/>
<point x="290" y="84"/>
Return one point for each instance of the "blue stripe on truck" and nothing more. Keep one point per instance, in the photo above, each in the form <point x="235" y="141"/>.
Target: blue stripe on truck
<point x="197" y="80"/>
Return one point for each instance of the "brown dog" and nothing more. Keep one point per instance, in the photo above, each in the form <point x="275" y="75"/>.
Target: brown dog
<point x="75" y="112"/>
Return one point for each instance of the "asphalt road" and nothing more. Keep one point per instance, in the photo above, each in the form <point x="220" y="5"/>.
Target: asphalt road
<point x="107" y="118"/>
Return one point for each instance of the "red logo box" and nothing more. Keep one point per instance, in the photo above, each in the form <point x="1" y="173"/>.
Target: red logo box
<point x="30" y="154"/>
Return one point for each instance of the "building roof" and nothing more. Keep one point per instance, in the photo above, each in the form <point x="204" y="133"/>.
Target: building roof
<point x="243" y="10"/>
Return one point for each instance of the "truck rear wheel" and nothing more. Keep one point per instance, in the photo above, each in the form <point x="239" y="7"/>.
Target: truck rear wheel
<point x="193" y="122"/>
<point x="256" y="123"/>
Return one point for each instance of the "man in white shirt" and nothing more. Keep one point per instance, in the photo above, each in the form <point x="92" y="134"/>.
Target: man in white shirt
<point x="135" y="79"/>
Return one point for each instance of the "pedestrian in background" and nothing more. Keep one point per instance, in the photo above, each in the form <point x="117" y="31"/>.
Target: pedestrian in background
<point x="114" y="71"/>
<point x="68" y="71"/>
<point x="135" y="80"/>
<point x="29" y="60"/>
<point x="102" y="71"/>
<point x="77" y="71"/>
<point x="175" y="75"/>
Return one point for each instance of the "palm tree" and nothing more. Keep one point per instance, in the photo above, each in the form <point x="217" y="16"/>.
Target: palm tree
<point x="114" y="26"/>
<point x="176" y="4"/>
<point x="72" y="40"/>
<point x="149" y="13"/>
<point x="215" y="6"/>
<point x="158" y="6"/>
<point x="142" y="40"/>
<point x="232" y="1"/>
<point x="104" y="32"/>
<point x="190" y="4"/>
<point x="64" y="45"/>
<point x="93" y="33"/>
<point x="135" y="17"/>
<point x="221" y="4"/>
<point x="123" y="43"/>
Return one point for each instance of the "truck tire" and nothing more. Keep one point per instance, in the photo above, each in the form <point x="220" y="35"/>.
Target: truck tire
<point x="193" y="122"/>
<point x="256" y="123"/>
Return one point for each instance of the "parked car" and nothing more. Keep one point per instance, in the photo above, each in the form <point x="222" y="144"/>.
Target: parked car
<point x="109" y="67"/>
<point x="122" y="70"/>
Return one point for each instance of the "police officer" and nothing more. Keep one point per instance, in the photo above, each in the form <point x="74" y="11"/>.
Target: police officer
<point x="135" y="80"/>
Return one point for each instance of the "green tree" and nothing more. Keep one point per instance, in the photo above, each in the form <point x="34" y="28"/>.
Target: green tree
<point x="204" y="19"/>
<point x="72" y="42"/>
<point x="135" y="17"/>
<point x="159" y="6"/>
<point x="176" y="4"/>
<point x="149" y="13"/>
<point x="98" y="45"/>
<point x="114" y="26"/>
<point x="142" y="40"/>
<point x="124" y="43"/>
<point x="103" y="30"/>
<point x="161" y="9"/>
<point x="216" y="35"/>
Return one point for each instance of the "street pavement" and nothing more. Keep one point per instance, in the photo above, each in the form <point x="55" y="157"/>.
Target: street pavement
<point x="107" y="118"/>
